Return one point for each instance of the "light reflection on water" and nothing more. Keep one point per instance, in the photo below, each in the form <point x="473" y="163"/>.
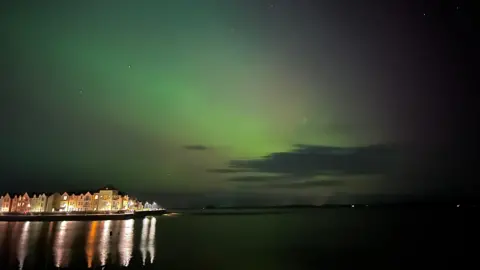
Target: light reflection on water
<point x="147" y="240"/>
<point x="22" y="248"/>
<point x="151" y="239"/>
<point x="104" y="245"/>
<point x="90" y="243"/>
<point x="125" y="246"/>
<point x="3" y="233"/>
<point x="27" y="242"/>
<point x="69" y="243"/>
<point x="300" y="240"/>
<point x="62" y="243"/>
<point x="143" y="239"/>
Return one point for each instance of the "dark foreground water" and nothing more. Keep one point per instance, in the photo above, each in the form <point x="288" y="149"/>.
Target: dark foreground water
<point x="318" y="239"/>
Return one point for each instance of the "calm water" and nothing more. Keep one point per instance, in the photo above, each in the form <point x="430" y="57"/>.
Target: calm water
<point x="299" y="240"/>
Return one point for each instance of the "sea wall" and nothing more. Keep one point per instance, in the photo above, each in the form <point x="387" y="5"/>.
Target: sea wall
<point x="75" y="216"/>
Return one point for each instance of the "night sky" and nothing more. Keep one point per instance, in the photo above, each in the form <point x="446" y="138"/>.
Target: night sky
<point x="238" y="102"/>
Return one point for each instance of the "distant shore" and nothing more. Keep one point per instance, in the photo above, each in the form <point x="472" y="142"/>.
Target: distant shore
<point x="77" y="216"/>
<point x="328" y="206"/>
<point x="285" y="209"/>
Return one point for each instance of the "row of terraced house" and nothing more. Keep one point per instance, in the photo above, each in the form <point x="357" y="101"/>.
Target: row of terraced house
<point x="105" y="200"/>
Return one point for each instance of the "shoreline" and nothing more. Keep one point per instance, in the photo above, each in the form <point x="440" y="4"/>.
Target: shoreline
<point x="78" y="217"/>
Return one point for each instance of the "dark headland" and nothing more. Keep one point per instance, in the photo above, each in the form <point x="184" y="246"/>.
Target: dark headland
<point x="282" y="209"/>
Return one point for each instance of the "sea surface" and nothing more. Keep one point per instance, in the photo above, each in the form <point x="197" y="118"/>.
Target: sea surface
<point x="296" y="239"/>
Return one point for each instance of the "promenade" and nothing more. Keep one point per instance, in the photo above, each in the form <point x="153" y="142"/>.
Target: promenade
<point x="78" y="216"/>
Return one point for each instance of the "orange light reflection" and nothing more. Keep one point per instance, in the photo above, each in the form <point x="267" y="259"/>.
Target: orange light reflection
<point x="90" y="245"/>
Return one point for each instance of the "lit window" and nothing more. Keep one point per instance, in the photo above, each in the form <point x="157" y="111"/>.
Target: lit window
<point x="65" y="197"/>
<point x="96" y="197"/>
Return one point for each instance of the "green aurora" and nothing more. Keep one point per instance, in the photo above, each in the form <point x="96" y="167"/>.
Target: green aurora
<point x="116" y="92"/>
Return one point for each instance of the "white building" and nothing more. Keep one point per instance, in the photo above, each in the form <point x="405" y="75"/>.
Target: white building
<point x="63" y="205"/>
<point x="151" y="206"/>
<point x="105" y="198"/>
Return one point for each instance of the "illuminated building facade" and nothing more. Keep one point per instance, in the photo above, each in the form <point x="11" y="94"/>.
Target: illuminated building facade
<point x="72" y="203"/>
<point x="151" y="206"/>
<point x="104" y="200"/>
<point x="5" y="202"/>
<point x="126" y="203"/>
<point x="64" y="201"/>
<point x="20" y="204"/>
<point x="53" y="202"/>
<point x="88" y="204"/>
<point x="38" y="203"/>
<point x="139" y="206"/>
<point x="117" y="203"/>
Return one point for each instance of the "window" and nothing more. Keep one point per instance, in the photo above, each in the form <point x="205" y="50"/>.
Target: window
<point x="65" y="197"/>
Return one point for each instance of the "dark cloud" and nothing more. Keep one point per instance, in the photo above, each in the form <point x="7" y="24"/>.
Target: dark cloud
<point x="306" y="184"/>
<point x="309" y="160"/>
<point x="283" y="182"/>
<point x="196" y="147"/>
<point x="265" y="182"/>
<point x="255" y="179"/>
<point x="224" y="170"/>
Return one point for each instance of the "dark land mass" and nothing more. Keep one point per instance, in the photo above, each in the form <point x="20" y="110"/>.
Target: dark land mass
<point x="307" y="206"/>
<point x="452" y="201"/>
